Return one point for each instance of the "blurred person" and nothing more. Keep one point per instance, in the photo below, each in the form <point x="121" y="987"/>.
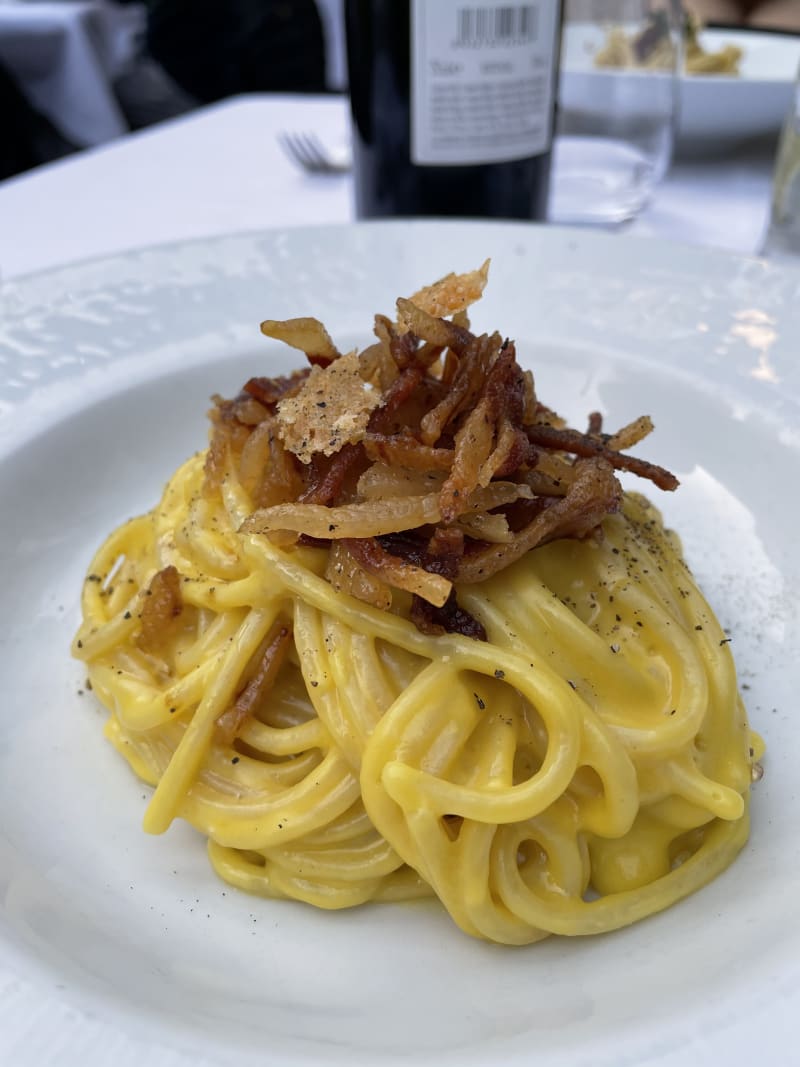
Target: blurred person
<point x="29" y="138"/>
<point x="765" y="14"/>
<point x="217" y="48"/>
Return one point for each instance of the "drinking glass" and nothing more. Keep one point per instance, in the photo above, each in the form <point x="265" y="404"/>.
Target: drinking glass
<point x="783" y="233"/>
<point x="618" y="102"/>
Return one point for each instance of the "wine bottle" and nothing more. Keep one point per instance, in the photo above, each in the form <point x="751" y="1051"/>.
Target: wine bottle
<point x="452" y="105"/>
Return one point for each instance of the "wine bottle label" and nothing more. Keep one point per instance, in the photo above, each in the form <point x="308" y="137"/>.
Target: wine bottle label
<point x="482" y="79"/>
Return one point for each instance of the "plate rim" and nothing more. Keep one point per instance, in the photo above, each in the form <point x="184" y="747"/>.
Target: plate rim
<point x="43" y="275"/>
<point x="589" y="234"/>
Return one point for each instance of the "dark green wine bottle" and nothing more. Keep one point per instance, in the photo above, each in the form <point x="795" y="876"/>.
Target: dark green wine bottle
<point x="453" y="105"/>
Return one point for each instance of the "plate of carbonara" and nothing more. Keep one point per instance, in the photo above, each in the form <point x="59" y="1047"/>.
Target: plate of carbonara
<point x="406" y="678"/>
<point x="737" y="83"/>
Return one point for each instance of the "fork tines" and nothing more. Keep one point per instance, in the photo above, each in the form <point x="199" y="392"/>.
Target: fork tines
<point x="308" y="152"/>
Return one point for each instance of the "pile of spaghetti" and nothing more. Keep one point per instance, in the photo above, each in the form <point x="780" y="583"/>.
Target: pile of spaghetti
<point x="399" y="632"/>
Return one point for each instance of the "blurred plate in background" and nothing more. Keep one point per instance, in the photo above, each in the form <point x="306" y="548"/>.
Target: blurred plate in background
<point x="713" y="107"/>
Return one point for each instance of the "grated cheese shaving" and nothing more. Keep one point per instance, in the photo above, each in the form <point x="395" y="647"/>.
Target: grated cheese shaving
<point x="331" y="410"/>
<point x="453" y="293"/>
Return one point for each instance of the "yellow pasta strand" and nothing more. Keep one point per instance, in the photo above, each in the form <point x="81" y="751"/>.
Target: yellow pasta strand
<point x="586" y="766"/>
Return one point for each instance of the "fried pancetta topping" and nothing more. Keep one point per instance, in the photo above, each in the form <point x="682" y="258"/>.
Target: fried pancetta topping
<point x="423" y="462"/>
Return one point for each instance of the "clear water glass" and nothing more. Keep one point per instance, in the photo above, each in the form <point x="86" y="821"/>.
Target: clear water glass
<point x="618" y="105"/>
<point x="783" y="233"/>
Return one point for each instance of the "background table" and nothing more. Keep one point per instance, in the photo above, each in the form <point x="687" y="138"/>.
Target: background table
<point x="220" y="169"/>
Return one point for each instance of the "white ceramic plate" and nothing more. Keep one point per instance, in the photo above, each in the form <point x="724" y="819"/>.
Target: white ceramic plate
<point x="116" y="947"/>
<point x="718" y="107"/>
<point x="713" y="107"/>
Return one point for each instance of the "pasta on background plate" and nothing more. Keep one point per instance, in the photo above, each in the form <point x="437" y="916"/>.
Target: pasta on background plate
<point x="398" y="632"/>
<point x="652" y="48"/>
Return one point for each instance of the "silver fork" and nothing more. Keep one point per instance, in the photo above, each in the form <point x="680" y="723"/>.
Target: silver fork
<point x="309" y="153"/>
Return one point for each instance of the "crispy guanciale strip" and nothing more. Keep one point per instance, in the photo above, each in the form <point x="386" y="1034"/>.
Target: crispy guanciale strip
<point x="595" y="426"/>
<point x="402" y="345"/>
<point x="403" y="450"/>
<point x="437" y="554"/>
<point x="267" y="471"/>
<point x="216" y="460"/>
<point x="446" y="545"/>
<point x="361" y="519"/>
<point x="346" y="575"/>
<point x="583" y="445"/>
<point x="440" y="556"/>
<point x="275" y="647"/>
<point x="229" y="434"/>
<point x="546" y="415"/>
<point x="403" y="554"/>
<point x="255" y="458"/>
<point x="384" y="480"/>
<point x="501" y="399"/>
<point x="396" y="572"/>
<point x="486" y="527"/>
<point x="451" y="618"/>
<point x="377" y="366"/>
<point x="440" y="332"/>
<point x="465" y="389"/>
<point x="244" y="409"/>
<point x="269" y="391"/>
<point x="383" y="418"/>
<point x="329" y="473"/>
<point x="512" y="451"/>
<point x="307" y="334"/>
<point x="161" y="606"/>
<point x="594" y="494"/>
<point x="371" y="518"/>
<point x="473" y="446"/>
<point x="631" y="434"/>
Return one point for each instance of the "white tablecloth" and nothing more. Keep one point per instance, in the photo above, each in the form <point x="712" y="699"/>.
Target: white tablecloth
<point x="65" y="56"/>
<point x="220" y="169"/>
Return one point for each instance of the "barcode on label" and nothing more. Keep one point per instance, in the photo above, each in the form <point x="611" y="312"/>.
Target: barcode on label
<point x="507" y="25"/>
